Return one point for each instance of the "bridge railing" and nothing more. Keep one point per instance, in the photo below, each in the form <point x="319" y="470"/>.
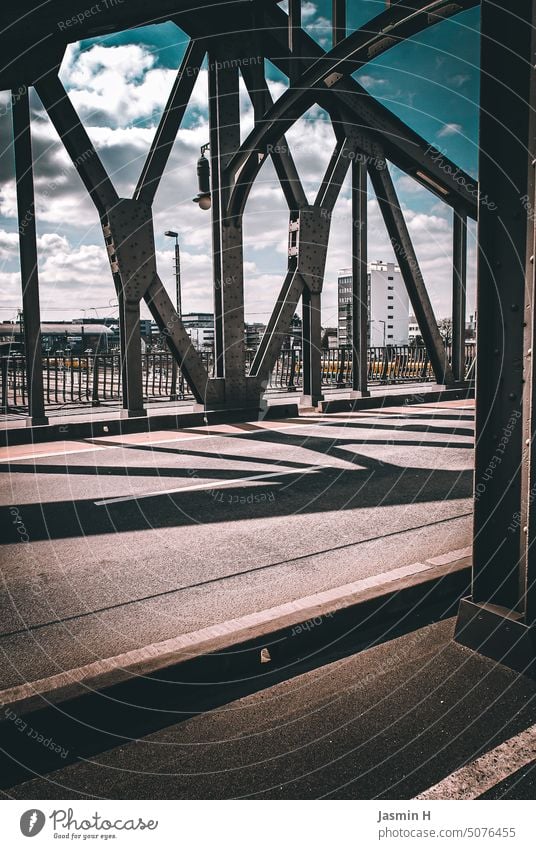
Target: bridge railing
<point x="72" y="380"/>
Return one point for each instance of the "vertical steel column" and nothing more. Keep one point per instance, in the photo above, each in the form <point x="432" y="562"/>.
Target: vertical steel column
<point x="312" y="355"/>
<point x="459" y="268"/>
<point x="497" y="621"/>
<point x="338" y="20"/>
<point x="131" y="357"/>
<point x="28" y="256"/>
<point x="359" y="281"/>
<point x="294" y="25"/>
<point x="528" y="472"/>
<point x="224" y="116"/>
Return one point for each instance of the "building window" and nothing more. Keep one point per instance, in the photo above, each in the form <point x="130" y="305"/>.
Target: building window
<point x="390" y="278"/>
<point x="390" y="336"/>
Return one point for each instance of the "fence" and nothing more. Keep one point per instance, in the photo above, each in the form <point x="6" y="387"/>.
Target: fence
<point x="95" y="379"/>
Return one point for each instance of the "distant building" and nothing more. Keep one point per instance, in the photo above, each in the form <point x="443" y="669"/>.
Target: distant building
<point x="388" y="322"/>
<point x="414" y="331"/>
<point x="329" y="338"/>
<point x="64" y="336"/>
<point x="344" y="285"/>
<point x="470" y="327"/>
<point x="200" y="328"/>
<point x="253" y="333"/>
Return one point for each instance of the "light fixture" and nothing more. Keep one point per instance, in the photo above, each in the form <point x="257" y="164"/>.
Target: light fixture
<point x="203" y="198"/>
<point x="432" y="183"/>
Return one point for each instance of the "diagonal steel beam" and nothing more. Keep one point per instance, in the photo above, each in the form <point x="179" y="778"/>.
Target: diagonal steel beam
<point x="76" y="142"/>
<point x="278" y="325"/>
<point x="95" y="178"/>
<point x="335" y="173"/>
<point x="411" y="273"/>
<point x="170" y="325"/>
<point x="330" y="72"/>
<point x="282" y="159"/>
<point x="170" y="122"/>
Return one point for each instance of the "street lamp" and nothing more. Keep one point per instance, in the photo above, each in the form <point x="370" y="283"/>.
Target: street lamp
<point x="175" y="236"/>
<point x="380" y="321"/>
<point x="203" y="197"/>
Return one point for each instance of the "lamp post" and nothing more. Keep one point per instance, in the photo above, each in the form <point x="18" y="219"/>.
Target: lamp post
<point x="380" y="321"/>
<point x="174" y="235"/>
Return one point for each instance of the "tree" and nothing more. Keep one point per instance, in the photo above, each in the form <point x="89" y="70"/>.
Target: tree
<point x="445" y="329"/>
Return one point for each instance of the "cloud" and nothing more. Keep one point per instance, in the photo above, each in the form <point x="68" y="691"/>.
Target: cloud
<point x="449" y="130"/>
<point x="369" y="81"/>
<point x="458" y="80"/>
<point x="74" y="270"/>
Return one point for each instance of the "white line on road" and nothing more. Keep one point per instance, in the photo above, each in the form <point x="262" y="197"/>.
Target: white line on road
<point x="11" y="460"/>
<point x="482" y="774"/>
<point x="214" y="484"/>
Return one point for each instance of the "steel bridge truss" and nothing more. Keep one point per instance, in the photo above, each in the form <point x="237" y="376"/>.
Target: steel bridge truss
<point x="500" y="617"/>
<point x="367" y="137"/>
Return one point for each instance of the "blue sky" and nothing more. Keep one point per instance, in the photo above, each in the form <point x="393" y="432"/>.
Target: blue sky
<point x="119" y="85"/>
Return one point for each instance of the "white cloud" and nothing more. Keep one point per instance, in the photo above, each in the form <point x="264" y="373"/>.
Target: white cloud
<point x="74" y="270"/>
<point x="449" y="130"/>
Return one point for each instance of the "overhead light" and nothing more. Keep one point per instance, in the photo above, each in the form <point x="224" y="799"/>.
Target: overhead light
<point x="432" y="183"/>
<point x="204" y="197"/>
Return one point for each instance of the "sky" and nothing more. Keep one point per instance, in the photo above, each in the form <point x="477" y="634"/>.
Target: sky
<point x="119" y="85"/>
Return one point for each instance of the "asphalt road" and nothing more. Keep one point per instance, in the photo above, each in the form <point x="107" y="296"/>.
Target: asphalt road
<point x="388" y="722"/>
<point x="117" y="542"/>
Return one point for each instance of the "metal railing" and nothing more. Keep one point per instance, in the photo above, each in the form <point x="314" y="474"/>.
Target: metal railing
<point x="94" y="379"/>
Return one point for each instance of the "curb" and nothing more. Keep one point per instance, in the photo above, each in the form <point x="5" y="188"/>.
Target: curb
<point x="288" y="632"/>
<point x="344" y="405"/>
<point x="143" y="424"/>
<point x="92" y="711"/>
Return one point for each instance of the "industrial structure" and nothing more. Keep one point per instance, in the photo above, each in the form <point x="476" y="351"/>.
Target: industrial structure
<point x="500" y="616"/>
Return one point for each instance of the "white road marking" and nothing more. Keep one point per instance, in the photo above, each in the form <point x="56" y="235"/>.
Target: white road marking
<point x="214" y="484"/>
<point x="474" y="779"/>
<point x="14" y="459"/>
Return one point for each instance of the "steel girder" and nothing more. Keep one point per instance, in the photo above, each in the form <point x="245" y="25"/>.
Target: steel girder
<point x="500" y="617"/>
<point x="411" y="273"/>
<point x="459" y="279"/>
<point x="360" y="305"/>
<point x="326" y="79"/>
<point x="28" y="257"/>
<point x="331" y="72"/>
<point x="128" y="234"/>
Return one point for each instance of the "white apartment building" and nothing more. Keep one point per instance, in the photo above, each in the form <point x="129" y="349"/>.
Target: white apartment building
<point x="388" y="305"/>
